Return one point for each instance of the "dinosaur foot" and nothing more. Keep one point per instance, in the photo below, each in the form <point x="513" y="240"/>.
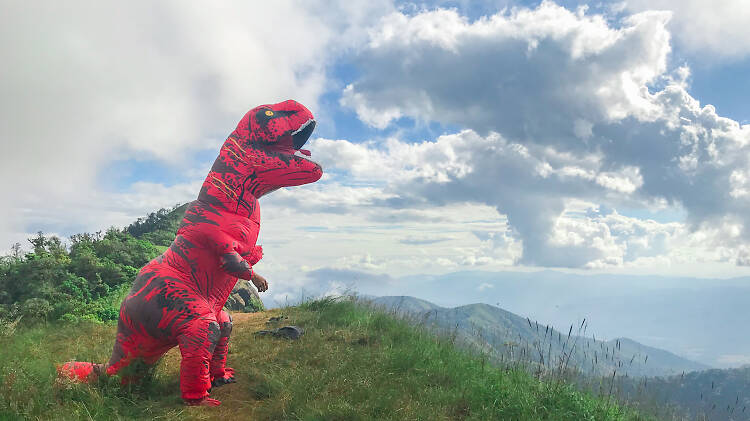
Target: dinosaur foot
<point x="226" y="378"/>
<point x="202" y="402"/>
<point x="221" y="381"/>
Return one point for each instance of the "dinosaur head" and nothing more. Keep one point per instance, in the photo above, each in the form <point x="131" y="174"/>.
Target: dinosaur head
<point x="283" y="127"/>
<point x="261" y="155"/>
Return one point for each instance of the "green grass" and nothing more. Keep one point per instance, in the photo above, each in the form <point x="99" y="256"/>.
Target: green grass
<point x="29" y="389"/>
<point x="353" y="363"/>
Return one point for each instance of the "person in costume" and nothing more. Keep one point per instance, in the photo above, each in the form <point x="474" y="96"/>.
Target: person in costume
<point x="177" y="299"/>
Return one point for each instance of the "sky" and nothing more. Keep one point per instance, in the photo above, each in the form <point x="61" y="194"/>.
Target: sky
<point x="587" y="138"/>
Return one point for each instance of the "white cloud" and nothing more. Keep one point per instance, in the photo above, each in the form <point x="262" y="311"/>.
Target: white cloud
<point x="483" y="286"/>
<point x="706" y="28"/>
<point x="85" y="84"/>
<point x="102" y="209"/>
<point x="462" y="168"/>
<point x="733" y="360"/>
<point x="361" y="262"/>
<point x="423" y="239"/>
<point x="561" y="106"/>
<point x="627" y="180"/>
<point x="510" y="71"/>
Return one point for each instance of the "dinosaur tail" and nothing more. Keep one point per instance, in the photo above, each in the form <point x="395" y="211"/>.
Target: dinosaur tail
<point x="79" y="372"/>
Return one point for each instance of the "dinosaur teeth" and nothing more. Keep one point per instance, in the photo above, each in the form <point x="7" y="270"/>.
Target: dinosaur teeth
<point x="302" y="127"/>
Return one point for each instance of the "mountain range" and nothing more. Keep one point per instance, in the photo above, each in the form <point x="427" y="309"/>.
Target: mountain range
<point x="698" y="319"/>
<point x="506" y="336"/>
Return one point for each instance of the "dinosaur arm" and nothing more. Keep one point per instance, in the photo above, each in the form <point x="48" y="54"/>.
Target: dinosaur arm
<point x="227" y="248"/>
<point x="233" y="264"/>
<point x="254" y="256"/>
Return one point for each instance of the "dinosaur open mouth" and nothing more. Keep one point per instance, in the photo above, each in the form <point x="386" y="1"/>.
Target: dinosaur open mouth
<point x="300" y="136"/>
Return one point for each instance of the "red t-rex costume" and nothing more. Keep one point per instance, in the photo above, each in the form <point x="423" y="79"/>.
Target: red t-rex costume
<point x="177" y="298"/>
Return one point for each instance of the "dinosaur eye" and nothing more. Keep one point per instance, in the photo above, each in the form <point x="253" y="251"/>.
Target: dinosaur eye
<point x="269" y="113"/>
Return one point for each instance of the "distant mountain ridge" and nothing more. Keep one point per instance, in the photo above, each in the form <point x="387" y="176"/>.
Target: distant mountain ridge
<point x="505" y="335"/>
<point x="678" y="313"/>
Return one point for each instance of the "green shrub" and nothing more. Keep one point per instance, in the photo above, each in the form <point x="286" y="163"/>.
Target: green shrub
<point x="35" y="309"/>
<point x="254" y="306"/>
<point x="88" y="280"/>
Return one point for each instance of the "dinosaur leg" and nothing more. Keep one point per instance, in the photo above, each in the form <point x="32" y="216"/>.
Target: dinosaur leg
<point x="197" y="341"/>
<point x="134" y="353"/>
<point x="220" y="373"/>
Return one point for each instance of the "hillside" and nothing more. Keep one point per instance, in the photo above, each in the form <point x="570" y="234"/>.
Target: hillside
<point x="677" y="313"/>
<point x="403" y="304"/>
<point x="87" y="277"/>
<point x="508" y="336"/>
<point x="711" y="394"/>
<point x="158" y="227"/>
<point x="353" y="363"/>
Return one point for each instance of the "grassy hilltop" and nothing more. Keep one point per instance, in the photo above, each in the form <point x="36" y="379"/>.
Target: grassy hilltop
<point x="59" y="302"/>
<point x="353" y="363"/>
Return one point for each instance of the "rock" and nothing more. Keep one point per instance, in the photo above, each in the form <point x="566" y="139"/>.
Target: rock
<point x="287" y="332"/>
<point x="244" y="298"/>
<point x="276" y="319"/>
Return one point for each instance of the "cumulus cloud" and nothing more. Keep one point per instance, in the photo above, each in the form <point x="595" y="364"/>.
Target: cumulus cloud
<point x="524" y="73"/>
<point x="494" y="158"/>
<point x="558" y="106"/>
<point x="705" y="28"/>
<point x="85" y="84"/>
<point x="529" y="184"/>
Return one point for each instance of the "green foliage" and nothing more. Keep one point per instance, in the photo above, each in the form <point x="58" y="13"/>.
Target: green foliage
<point x="85" y="281"/>
<point x="158" y="227"/>
<point x="35" y="308"/>
<point x="254" y="306"/>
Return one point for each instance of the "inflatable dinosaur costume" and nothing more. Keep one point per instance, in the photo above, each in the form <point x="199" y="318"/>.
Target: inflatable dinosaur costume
<point x="177" y="298"/>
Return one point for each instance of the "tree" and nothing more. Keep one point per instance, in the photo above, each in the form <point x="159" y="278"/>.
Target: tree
<point x="85" y="279"/>
<point x="38" y="243"/>
<point x="16" y="252"/>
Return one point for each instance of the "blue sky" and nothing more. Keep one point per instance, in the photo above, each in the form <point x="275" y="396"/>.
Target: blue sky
<point x="455" y="136"/>
<point x="725" y="85"/>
